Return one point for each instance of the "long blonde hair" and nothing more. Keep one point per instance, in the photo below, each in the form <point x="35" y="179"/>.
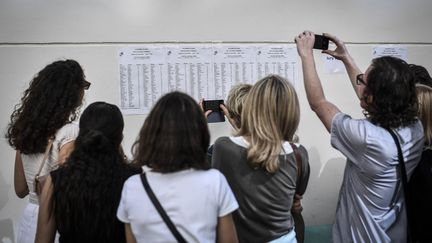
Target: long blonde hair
<point x="270" y="116"/>
<point x="424" y="96"/>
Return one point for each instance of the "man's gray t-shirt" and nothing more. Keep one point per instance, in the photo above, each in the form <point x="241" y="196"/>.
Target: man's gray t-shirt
<point x="366" y="211"/>
<point x="265" y="199"/>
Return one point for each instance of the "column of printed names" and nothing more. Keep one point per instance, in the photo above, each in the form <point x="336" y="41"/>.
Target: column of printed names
<point x="200" y="70"/>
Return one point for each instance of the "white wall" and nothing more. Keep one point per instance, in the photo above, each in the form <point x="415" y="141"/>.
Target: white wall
<point x="35" y="33"/>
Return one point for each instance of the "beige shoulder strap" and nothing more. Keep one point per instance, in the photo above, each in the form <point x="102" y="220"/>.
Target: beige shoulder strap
<point x="48" y="149"/>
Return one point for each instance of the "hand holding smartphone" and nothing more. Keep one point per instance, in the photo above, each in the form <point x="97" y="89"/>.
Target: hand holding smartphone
<point x="321" y="42"/>
<point x="217" y="114"/>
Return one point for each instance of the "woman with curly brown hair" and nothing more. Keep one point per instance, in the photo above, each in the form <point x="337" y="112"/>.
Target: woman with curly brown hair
<point x="42" y="121"/>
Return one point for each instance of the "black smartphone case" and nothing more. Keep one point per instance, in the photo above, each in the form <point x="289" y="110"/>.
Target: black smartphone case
<point x="321" y="42"/>
<point x="217" y="114"/>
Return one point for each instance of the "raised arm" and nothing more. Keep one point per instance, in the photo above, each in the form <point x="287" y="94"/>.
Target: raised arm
<point x="341" y="53"/>
<point x="314" y="92"/>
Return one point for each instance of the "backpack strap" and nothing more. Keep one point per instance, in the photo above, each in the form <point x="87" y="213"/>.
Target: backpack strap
<point x="160" y="209"/>
<point x="404" y="182"/>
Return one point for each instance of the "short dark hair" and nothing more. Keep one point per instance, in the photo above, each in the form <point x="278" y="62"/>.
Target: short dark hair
<point x="174" y="136"/>
<point x="391" y="84"/>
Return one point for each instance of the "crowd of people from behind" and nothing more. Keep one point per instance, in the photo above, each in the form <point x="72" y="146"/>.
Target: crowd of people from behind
<point x="246" y="187"/>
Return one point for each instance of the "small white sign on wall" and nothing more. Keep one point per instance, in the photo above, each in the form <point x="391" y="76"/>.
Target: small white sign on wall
<point x="390" y="50"/>
<point x="332" y="65"/>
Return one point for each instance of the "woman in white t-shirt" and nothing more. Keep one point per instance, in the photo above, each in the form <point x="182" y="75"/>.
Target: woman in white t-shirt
<point x="172" y="148"/>
<point x="46" y="111"/>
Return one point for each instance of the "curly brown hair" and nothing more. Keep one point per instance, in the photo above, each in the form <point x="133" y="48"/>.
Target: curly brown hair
<point x="392" y="86"/>
<point x="52" y="99"/>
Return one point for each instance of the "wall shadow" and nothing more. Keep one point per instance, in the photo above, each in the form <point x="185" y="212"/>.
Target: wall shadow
<point x="6" y="231"/>
<point x="320" y="199"/>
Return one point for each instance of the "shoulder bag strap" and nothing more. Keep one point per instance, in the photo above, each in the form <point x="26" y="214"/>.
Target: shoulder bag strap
<point x="50" y="143"/>
<point x="298" y="161"/>
<point x="160" y="209"/>
<point x="404" y="180"/>
<point x="299" y="225"/>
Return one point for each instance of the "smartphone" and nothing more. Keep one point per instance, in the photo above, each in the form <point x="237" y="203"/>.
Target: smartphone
<point x="321" y="42"/>
<point x="217" y="114"/>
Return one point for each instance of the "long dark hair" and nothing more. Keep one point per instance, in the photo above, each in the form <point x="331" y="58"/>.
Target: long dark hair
<point x="88" y="190"/>
<point x="392" y="87"/>
<point x="51" y="101"/>
<point x="174" y="136"/>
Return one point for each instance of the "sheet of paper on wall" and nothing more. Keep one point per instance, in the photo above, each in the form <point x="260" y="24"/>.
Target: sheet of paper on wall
<point x="141" y="77"/>
<point x="189" y="69"/>
<point x="201" y="70"/>
<point x="333" y="65"/>
<point x="280" y="59"/>
<point x="232" y="64"/>
<point x="398" y="51"/>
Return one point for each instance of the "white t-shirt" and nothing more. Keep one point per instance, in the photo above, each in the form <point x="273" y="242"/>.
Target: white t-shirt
<point x="32" y="162"/>
<point x="193" y="199"/>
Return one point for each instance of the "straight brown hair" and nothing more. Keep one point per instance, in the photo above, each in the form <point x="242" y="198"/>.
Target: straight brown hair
<point x="174" y="136"/>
